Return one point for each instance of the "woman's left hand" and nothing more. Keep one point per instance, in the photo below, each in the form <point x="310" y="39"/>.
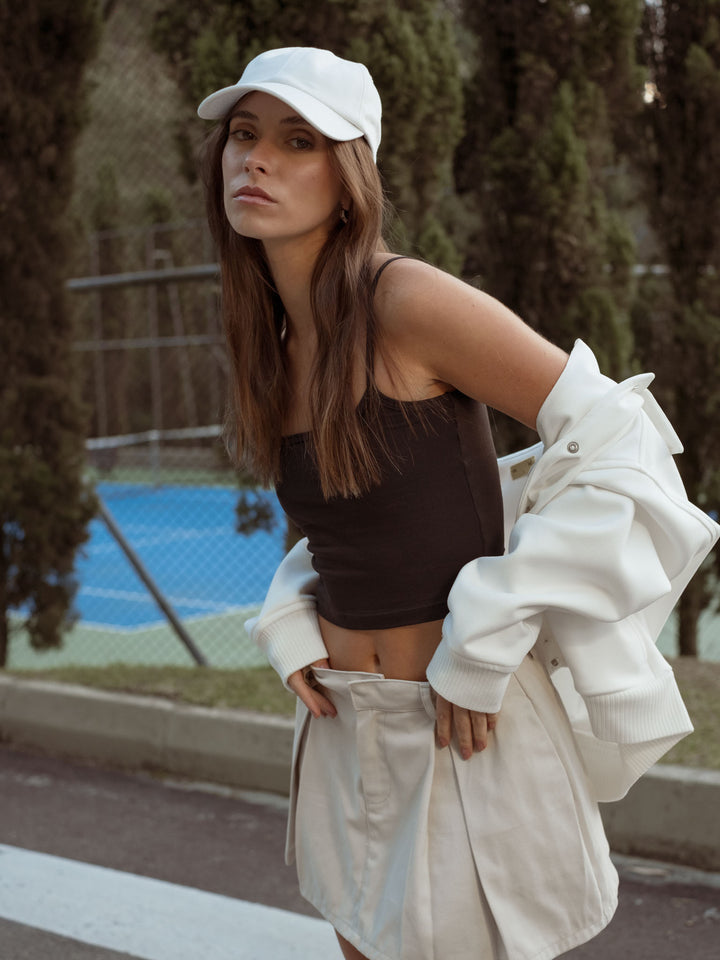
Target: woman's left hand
<point x="471" y="728"/>
<point x="303" y="685"/>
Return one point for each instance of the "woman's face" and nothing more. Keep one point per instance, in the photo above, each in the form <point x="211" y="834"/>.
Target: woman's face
<point x="278" y="180"/>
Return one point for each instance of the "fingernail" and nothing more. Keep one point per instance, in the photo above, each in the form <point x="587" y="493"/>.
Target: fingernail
<point x="479" y="745"/>
<point x="466" y="753"/>
<point x="442" y="742"/>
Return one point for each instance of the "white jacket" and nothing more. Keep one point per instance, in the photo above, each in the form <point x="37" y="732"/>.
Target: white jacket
<point x="601" y="542"/>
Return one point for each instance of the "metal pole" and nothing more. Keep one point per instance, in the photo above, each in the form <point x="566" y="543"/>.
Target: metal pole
<point x="98" y="359"/>
<point x="155" y="369"/>
<point x="184" y="364"/>
<point x="202" y="271"/>
<point x="144" y="575"/>
<point x="211" y="308"/>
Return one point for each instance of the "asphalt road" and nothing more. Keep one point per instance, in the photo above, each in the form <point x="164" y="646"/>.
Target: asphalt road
<point x="100" y="865"/>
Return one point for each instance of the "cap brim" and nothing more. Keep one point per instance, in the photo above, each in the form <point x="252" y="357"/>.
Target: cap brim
<point x="322" y="118"/>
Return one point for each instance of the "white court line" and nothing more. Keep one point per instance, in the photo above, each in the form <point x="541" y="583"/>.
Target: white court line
<point x="142" y="596"/>
<point x="161" y="536"/>
<point x="150" y="919"/>
<point x="160" y="624"/>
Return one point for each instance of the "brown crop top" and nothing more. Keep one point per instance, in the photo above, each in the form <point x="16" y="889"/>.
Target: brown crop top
<point x="388" y="558"/>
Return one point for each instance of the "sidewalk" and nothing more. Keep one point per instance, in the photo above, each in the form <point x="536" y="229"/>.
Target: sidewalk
<point x="670" y="814"/>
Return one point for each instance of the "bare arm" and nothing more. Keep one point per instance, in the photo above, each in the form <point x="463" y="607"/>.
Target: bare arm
<point x="441" y="330"/>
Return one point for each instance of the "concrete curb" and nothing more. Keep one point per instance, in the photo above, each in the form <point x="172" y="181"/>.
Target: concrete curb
<point x="670" y="814"/>
<point x="235" y="747"/>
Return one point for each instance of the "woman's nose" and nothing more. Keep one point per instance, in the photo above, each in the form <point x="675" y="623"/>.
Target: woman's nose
<point x="257" y="158"/>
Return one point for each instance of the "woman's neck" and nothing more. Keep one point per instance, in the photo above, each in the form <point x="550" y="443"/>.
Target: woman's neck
<point x="292" y="265"/>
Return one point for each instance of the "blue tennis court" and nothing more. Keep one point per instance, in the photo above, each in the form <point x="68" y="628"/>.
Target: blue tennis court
<point x="186" y="538"/>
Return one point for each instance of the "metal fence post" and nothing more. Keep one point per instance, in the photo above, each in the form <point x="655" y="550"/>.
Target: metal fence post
<point x="146" y="578"/>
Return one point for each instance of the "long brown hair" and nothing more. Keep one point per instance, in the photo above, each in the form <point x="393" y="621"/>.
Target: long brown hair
<point x="341" y="299"/>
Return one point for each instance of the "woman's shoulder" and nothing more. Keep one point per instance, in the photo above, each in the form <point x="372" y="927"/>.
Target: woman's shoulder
<point x="402" y="267"/>
<point x="403" y="283"/>
<point x="406" y="290"/>
<point x="459" y="335"/>
<point x="409" y="297"/>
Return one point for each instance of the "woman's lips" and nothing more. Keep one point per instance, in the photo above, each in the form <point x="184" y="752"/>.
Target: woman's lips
<point x="253" y="195"/>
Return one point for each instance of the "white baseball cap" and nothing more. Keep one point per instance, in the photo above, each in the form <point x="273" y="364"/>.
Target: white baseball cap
<point x="336" y="96"/>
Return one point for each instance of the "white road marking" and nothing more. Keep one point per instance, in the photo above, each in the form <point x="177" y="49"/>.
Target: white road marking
<point x="150" y="919"/>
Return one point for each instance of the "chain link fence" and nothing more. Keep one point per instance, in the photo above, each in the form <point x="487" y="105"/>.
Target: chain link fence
<point x="181" y="553"/>
<point x="166" y="577"/>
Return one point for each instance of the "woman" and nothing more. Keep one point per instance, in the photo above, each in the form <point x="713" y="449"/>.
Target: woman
<point x="444" y="790"/>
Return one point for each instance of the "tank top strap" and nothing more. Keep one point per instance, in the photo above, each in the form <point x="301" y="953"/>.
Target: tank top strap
<point x="379" y="271"/>
<point x="369" y="353"/>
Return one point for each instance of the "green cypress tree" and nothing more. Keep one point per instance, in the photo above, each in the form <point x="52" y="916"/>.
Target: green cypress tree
<point x="677" y="322"/>
<point x="541" y="234"/>
<point x="44" y="507"/>
<point x="408" y="46"/>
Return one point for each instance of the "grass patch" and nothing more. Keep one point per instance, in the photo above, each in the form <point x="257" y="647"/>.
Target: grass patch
<point x="254" y="689"/>
<point x="259" y="689"/>
<point x="699" y="682"/>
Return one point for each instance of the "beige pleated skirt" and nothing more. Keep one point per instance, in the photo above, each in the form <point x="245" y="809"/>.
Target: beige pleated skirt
<point x="415" y="854"/>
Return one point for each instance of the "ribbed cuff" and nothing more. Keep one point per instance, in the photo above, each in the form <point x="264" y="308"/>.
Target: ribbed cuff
<point x="472" y="685"/>
<point x="293" y="641"/>
<point x="651" y="712"/>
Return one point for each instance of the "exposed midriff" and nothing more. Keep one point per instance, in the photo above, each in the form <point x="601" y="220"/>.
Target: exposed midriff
<point x="400" y="653"/>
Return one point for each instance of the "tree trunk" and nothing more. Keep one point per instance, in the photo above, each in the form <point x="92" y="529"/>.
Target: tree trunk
<point x="689" y="607"/>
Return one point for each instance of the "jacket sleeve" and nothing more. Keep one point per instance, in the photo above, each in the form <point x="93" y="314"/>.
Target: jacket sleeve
<point x="287" y="629"/>
<point x="587" y="556"/>
<point x="608" y="535"/>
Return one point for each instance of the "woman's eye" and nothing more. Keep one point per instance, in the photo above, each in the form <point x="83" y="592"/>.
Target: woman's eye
<point x="241" y="134"/>
<point x="300" y="143"/>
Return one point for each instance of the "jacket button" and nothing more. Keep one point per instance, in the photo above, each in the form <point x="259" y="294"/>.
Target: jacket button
<point x="555" y="662"/>
<point x="573" y="446"/>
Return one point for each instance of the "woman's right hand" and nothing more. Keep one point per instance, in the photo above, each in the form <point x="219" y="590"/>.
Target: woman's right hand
<point x="471" y="729"/>
<point x="302" y="684"/>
